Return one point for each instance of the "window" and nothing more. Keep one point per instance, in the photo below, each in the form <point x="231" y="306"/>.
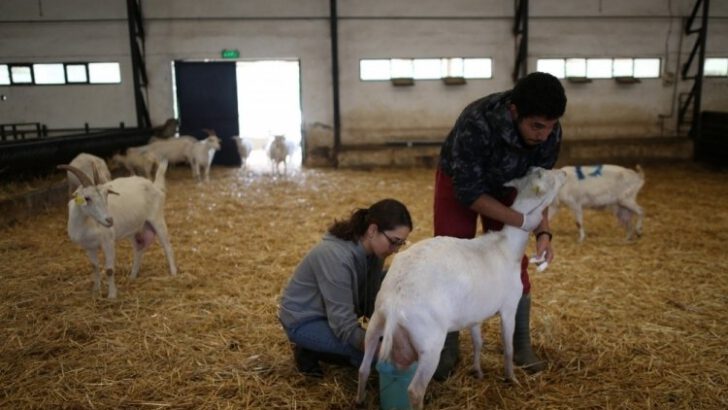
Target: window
<point x="597" y="68"/>
<point x="402" y="68"/>
<point x="76" y="73"/>
<point x="21" y="74"/>
<point x="372" y="70"/>
<point x="623" y="67"/>
<point x="575" y="67"/>
<point x="647" y="67"/>
<point x="4" y="74"/>
<point x="49" y="74"/>
<point x="553" y="66"/>
<point x="714" y="67"/>
<point x="60" y="73"/>
<point x="425" y="68"/>
<point x="454" y="67"/>
<point x="478" y="68"/>
<point x="104" y="73"/>
<point x="428" y="69"/>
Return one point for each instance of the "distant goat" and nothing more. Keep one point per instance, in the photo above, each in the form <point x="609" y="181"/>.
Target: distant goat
<point x="278" y="151"/>
<point x="87" y="163"/>
<point x="134" y="210"/>
<point x="136" y="161"/>
<point x="200" y="155"/>
<point x="167" y="130"/>
<point x="245" y="147"/>
<point x="603" y="187"/>
<point x="445" y="284"/>
<point x="174" y="149"/>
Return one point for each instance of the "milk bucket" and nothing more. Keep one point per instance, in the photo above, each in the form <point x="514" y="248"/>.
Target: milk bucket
<point x="393" y="385"/>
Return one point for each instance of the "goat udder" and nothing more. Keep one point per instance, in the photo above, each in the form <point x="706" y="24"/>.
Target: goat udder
<point x="145" y="237"/>
<point x="403" y="354"/>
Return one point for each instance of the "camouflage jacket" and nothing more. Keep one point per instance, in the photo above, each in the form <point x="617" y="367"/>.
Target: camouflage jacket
<point x="484" y="150"/>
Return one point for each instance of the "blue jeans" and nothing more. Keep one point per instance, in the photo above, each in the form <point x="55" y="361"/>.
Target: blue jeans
<point x="316" y="335"/>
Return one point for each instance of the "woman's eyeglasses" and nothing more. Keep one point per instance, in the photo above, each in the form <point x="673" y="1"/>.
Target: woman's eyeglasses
<point x="394" y="242"/>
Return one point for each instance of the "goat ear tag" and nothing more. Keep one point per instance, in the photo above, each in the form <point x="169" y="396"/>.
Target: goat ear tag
<point x="536" y="189"/>
<point x="79" y="200"/>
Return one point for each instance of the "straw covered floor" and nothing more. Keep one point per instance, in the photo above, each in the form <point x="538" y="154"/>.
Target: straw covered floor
<point x="640" y="325"/>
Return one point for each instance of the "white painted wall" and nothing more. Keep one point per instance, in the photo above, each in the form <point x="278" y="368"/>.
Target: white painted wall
<point x="96" y="30"/>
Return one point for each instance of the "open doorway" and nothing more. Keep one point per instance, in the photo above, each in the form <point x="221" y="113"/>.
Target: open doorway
<point x="269" y="104"/>
<point x="254" y="99"/>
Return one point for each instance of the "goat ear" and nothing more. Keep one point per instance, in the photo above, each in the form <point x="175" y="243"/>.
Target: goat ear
<point x="97" y="179"/>
<point x="76" y="191"/>
<point x="112" y="192"/>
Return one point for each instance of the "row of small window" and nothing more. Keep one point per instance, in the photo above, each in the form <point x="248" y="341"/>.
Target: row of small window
<point x="60" y="73"/>
<point x="436" y="68"/>
<point x="619" y="67"/>
<point x="424" y="68"/>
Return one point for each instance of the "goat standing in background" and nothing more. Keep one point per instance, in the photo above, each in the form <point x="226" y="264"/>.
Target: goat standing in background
<point x="445" y="284"/>
<point x="200" y="155"/>
<point x="245" y="147"/>
<point x="87" y="163"/>
<point x="137" y="161"/>
<point x="278" y="153"/>
<point x="134" y="210"/>
<point x="602" y="186"/>
<point x="173" y="149"/>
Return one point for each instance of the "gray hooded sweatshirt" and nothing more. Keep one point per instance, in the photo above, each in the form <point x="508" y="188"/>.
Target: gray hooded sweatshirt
<point x="336" y="280"/>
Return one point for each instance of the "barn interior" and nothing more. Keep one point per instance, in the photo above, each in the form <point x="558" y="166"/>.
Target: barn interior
<point x="365" y="94"/>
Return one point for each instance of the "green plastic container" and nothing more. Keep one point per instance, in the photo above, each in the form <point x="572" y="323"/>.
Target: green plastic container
<point x="393" y="386"/>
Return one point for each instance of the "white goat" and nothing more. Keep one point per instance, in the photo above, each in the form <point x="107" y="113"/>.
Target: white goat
<point x="137" y="161"/>
<point x="200" y="155"/>
<point x="245" y="147"/>
<point x="603" y="186"/>
<point x="446" y="284"/>
<point x="278" y="153"/>
<point x="174" y="149"/>
<point x="87" y="163"/>
<point x="135" y="211"/>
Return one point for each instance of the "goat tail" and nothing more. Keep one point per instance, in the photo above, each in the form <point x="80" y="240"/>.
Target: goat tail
<point x="390" y="326"/>
<point x="640" y="172"/>
<point x="159" y="176"/>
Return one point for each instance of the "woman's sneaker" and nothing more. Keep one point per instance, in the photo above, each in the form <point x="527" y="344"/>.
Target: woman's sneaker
<point x="307" y="362"/>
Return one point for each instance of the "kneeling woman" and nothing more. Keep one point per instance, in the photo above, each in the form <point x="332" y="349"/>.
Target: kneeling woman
<point x="336" y="283"/>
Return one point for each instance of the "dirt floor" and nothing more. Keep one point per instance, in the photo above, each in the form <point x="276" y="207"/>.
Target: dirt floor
<point x="639" y="325"/>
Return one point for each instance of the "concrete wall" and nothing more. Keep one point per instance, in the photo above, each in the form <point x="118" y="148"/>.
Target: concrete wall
<point x="371" y="112"/>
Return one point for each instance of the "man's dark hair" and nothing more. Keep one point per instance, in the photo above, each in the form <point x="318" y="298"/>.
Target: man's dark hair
<point x="539" y="94"/>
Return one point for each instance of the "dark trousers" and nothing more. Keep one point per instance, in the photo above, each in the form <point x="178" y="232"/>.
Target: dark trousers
<point x="454" y="219"/>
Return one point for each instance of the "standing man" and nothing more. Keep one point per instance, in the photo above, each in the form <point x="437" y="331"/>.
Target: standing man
<point x="496" y="139"/>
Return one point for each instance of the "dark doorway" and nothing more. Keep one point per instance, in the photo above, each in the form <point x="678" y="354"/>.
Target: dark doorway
<point x="207" y="98"/>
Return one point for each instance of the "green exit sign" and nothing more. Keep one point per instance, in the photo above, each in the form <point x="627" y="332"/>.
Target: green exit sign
<point x="229" y="53"/>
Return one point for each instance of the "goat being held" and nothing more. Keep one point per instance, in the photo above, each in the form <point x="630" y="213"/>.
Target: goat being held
<point x="135" y="210"/>
<point x="446" y="284"/>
